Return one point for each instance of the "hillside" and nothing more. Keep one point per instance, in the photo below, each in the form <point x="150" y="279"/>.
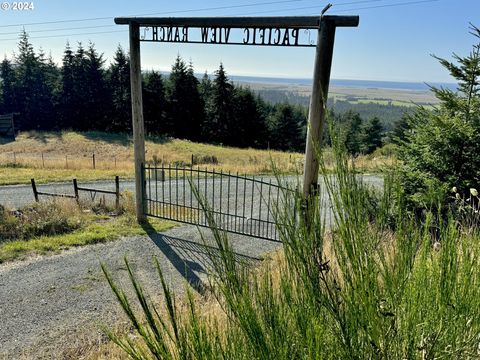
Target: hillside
<point x="57" y="156"/>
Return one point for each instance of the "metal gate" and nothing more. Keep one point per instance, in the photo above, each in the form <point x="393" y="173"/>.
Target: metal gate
<point x="239" y="204"/>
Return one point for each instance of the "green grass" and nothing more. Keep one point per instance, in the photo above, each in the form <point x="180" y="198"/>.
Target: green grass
<point x="97" y="229"/>
<point x="377" y="286"/>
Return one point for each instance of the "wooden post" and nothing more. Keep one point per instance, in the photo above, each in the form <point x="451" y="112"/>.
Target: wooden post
<point x="43" y="161"/>
<point x="318" y="105"/>
<point x="34" y="188"/>
<point x="117" y="193"/>
<point x="75" y="190"/>
<point x="93" y="160"/>
<point x="137" y="120"/>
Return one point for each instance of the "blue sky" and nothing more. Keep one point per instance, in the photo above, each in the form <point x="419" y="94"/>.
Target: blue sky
<point x="392" y="43"/>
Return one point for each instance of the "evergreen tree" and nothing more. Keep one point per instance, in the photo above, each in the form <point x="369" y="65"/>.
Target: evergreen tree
<point x="34" y="94"/>
<point x="120" y="90"/>
<point x="371" y="136"/>
<point x="222" y="121"/>
<point x="350" y="124"/>
<point x="154" y="104"/>
<point x="97" y="96"/>
<point x="67" y="101"/>
<point x="285" y="129"/>
<point x="7" y="87"/>
<point x="185" y="106"/>
<point x="249" y="123"/>
<point x="47" y="85"/>
<point x="78" y="109"/>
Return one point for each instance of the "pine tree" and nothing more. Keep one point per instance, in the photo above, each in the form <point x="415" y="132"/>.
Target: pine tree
<point x="371" y="136"/>
<point x="154" y="103"/>
<point x="119" y="80"/>
<point x="249" y="123"/>
<point x="7" y="88"/>
<point x="185" y="106"/>
<point x="98" y="96"/>
<point x="351" y="127"/>
<point x="285" y="129"/>
<point x="222" y="118"/>
<point x="67" y="101"/>
<point x="34" y="93"/>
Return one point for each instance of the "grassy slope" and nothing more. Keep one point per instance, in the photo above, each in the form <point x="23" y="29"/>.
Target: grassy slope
<point x="97" y="230"/>
<point x="68" y="155"/>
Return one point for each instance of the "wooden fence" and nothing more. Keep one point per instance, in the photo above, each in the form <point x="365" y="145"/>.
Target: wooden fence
<point x="76" y="191"/>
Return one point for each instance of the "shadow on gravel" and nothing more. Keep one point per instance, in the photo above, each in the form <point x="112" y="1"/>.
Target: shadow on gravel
<point x="189" y="257"/>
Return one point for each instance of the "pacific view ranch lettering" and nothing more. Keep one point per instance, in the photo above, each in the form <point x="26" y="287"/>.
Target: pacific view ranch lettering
<point x="223" y="35"/>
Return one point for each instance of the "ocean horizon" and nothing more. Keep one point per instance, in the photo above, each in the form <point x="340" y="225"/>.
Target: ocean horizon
<point x="364" y="84"/>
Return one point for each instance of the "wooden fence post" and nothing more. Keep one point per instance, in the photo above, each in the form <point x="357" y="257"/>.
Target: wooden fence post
<point x="35" y="192"/>
<point x="93" y="160"/>
<point x="75" y="190"/>
<point x="117" y="192"/>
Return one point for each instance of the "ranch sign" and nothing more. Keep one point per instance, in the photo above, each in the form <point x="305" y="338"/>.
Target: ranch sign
<point x="224" y="35"/>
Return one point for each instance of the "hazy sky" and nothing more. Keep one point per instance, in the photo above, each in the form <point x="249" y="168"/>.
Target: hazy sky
<point x="393" y="41"/>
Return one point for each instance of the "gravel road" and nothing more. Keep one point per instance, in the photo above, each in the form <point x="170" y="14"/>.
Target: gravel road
<point x="51" y="303"/>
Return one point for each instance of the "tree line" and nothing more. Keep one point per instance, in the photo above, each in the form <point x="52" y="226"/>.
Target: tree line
<point x="85" y="93"/>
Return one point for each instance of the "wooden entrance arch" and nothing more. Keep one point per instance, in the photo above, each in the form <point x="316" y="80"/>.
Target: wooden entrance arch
<point x="258" y="31"/>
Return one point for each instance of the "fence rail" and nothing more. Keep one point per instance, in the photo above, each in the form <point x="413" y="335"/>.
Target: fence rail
<point x="77" y="189"/>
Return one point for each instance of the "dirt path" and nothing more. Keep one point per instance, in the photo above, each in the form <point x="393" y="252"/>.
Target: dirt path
<point x="53" y="302"/>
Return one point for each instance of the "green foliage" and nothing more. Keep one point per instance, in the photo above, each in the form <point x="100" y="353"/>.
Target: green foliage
<point x="185" y="106"/>
<point x="442" y="147"/>
<point x="119" y="82"/>
<point x="359" y="291"/>
<point x="358" y="135"/>
<point x="285" y="123"/>
<point x="371" y="138"/>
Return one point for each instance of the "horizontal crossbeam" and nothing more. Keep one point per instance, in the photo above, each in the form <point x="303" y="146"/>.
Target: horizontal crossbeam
<point x="300" y="22"/>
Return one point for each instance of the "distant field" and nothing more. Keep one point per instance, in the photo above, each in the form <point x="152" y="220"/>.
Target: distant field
<point x="402" y="97"/>
<point x="62" y="156"/>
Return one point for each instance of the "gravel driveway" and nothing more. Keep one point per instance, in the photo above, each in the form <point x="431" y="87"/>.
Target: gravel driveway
<point x="52" y="302"/>
<point x="49" y="302"/>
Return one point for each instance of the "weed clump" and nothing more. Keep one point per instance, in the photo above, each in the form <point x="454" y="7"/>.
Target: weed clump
<point x="52" y="218"/>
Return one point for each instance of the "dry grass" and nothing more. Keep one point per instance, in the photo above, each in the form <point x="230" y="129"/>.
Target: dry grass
<point x="65" y="155"/>
<point x="62" y="156"/>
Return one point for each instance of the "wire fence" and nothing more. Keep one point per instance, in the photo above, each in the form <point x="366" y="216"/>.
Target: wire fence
<point x="48" y="161"/>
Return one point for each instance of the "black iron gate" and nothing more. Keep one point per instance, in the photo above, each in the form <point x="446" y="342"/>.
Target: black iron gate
<point x="239" y="204"/>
